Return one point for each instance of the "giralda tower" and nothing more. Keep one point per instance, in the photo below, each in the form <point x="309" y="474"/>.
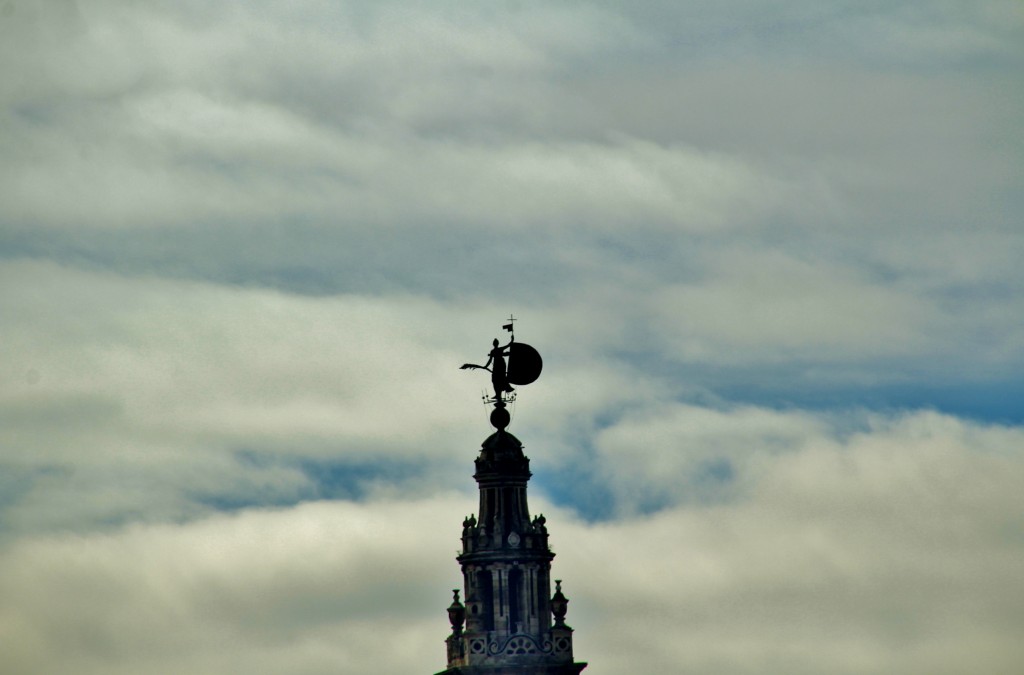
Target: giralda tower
<point x="510" y="624"/>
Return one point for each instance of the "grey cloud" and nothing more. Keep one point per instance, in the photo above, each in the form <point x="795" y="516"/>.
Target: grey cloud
<point x="228" y="591"/>
<point x="245" y="246"/>
<point x="163" y="400"/>
<point x="868" y="554"/>
<point x="700" y="454"/>
<point x="882" y="549"/>
<point x="152" y="394"/>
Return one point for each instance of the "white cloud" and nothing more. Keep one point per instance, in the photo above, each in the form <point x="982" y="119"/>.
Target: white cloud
<point x="175" y="157"/>
<point x="767" y="302"/>
<point x="307" y="590"/>
<point x="162" y="399"/>
<point x="707" y="455"/>
<point x="894" y="548"/>
<point x="246" y="245"/>
<point x="163" y="123"/>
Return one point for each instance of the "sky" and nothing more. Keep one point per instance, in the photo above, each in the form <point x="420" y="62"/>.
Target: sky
<point x="770" y="251"/>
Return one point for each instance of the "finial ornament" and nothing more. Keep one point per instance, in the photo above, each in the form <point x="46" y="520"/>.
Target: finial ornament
<point x="522" y="367"/>
<point x="456" y="613"/>
<point x="559" y="604"/>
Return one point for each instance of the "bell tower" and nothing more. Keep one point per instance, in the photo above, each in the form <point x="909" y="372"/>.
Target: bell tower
<point x="510" y="624"/>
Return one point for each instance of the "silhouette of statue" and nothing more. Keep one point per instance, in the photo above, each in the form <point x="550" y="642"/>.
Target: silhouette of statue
<point x="523" y="367"/>
<point x="499" y="371"/>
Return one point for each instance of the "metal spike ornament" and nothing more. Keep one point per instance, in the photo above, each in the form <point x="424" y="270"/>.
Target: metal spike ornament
<point x="522" y="367"/>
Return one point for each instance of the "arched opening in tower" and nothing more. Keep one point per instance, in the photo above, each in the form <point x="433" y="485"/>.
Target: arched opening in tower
<point x="486" y="588"/>
<point x="515" y="599"/>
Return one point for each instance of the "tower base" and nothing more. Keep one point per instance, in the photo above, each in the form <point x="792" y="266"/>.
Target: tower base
<point x="535" y="669"/>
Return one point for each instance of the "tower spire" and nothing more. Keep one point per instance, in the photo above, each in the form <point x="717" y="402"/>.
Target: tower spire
<point x="510" y="623"/>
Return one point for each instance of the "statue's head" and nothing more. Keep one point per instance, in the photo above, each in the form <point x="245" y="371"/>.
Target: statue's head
<point x="495" y="342"/>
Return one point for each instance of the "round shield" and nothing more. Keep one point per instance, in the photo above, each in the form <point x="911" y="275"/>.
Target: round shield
<point x="524" y="363"/>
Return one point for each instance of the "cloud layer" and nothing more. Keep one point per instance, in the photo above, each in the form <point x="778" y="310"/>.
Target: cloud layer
<point x="770" y="253"/>
<point x="892" y="547"/>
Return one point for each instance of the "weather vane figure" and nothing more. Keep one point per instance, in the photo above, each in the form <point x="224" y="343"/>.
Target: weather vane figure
<point x="522" y="367"/>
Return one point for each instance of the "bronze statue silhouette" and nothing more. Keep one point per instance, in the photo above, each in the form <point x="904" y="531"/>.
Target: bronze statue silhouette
<point x="523" y="367"/>
<point x="499" y="371"/>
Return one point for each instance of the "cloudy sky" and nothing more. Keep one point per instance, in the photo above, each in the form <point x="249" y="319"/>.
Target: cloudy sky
<point x="771" y="252"/>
